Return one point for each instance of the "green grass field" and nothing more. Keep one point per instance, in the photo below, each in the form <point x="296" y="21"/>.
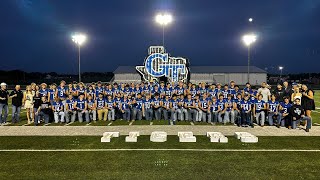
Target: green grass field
<point x="162" y="164"/>
<point x="315" y="115"/>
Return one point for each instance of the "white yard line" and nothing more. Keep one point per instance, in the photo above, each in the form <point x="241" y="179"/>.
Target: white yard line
<point x="194" y="150"/>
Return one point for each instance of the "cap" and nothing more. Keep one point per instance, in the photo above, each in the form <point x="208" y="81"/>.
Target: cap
<point x="294" y="84"/>
<point x="3" y="84"/>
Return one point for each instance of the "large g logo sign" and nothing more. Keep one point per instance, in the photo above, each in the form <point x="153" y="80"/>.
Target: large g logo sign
<point x="153" y="64"/>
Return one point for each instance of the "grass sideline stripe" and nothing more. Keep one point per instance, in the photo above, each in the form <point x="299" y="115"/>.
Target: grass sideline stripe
<point x="191" y="150"/>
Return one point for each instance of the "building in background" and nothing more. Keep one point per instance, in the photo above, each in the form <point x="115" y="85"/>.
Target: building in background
<point x="209" y="74"/>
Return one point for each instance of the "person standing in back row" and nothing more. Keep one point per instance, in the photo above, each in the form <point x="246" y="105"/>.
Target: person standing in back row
<point x="17" y="96"/>
<point x="4" y="96"/>
<point x="265" y="92"/>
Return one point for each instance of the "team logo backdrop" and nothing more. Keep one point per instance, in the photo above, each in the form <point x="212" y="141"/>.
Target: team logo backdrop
<point x="159" y="64"/>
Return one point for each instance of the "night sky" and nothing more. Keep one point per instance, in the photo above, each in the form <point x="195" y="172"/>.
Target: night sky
<point x="35" y="34"/>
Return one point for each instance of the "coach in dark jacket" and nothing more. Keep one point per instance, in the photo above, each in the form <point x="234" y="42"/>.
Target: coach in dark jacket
<point x="279" y="93"/>
<point x="17" y="96"/>
<point x="287" y="89"/>
<point x="4" y="95"/>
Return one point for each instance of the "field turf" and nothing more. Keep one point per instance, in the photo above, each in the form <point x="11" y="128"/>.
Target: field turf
<point x="162" y="164"/>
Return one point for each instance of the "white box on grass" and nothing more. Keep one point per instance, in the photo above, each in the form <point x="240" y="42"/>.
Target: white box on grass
<point x="186" y="137"/>
<point x="108" y="135"/>
<point x="238" y="135"/>
<point x="217" y="137"/>
<point x="249" y="139"/>
<point x="133" y="137"/>
<point x="246" y="137"/>
<point x="158" y="136"/>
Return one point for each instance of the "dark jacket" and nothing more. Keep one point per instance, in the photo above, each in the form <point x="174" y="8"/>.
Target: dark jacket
<point x="17" y="101"/>
<point x="287" y="91"/>
<point x="279" y="93"/>
<point x="4" y="94"/>
<point x="296" y="111"/>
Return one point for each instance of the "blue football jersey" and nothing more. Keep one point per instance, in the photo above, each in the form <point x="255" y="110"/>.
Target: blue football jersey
<point x="156" y="102"/>
<point x="259" y="105"/>
<point x="179" y="90"/>
<point x="273" y="106"/>
<point x="202" y="91"/>
<point x="81" y="104"/>
<point x="230" y="105"/>
<point x="52" y="93"/>
<point x="168" y="91"/>
<point x="204" y="103"/>
<point x="225" y="94"/>
<point x="147" y="103"/>
<point x="188" y="102"/>
<point x="81" y="90"/>
<point x="99" y="90"/>
<point x="58" y="106"/>
<point x="90" y="103"/>
<point x="139" y="104"/>
<point x="118" y="101"/>
<point x="62" y="91"/>
<point x="175" y="104"/>
<point x="166" y="103"/>
<point x="221" y="104"/>
<point x="110" y="103"/>
<point x="214" y="106"/>
<point x="285" y="107"/>
<point x="125" y="104"/>
<point x="101" y="103"/>
<point x="193" y="92"/>
<point x="44" y="92"/>
<point x="70" y="104"/>
<point x="245" y="105"/>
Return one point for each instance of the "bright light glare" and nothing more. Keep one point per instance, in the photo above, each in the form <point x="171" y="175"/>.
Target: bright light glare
<point x="248" y="39"/>
<point x="79" y="39"/>
<point x="250" y="19"/>
<point x="280" y="67"/>
<point x="164" y="19"/>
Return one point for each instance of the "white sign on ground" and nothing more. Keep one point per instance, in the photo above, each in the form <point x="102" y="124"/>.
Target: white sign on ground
<point x="133" y="137"/>
<point x="246" y="137"/>
<point x="186" y="137"/>
<point x="158" y="136"/>
<point x="108" y="135"/>
<point x="217" y="137"/>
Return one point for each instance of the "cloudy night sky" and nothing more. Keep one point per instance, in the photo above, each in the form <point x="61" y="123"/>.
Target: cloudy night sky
<point x="35" y="35"/>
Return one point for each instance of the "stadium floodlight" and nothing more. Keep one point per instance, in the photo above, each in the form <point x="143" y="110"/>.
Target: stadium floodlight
<point x="280" y="68"/>
<point x="248" y="40"/>
<point x="163" y="19"/>
<point x="250" y="19"/>
<point x="79" y="39"/>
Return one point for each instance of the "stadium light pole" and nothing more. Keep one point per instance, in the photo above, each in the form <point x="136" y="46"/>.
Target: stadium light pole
<point x="79" y="39"/>
<point x="280" y="68"/>
<point x="163" y="19"/>
<point x="248" y="40"/>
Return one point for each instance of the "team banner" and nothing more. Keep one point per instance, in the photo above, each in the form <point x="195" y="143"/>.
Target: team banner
<point x="159" y="64"/>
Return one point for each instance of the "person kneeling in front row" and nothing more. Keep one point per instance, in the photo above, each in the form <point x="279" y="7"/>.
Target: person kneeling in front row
<point x="297" y="114"/>
<point x="43" y="111"/>
<point x="81" y="106"/>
